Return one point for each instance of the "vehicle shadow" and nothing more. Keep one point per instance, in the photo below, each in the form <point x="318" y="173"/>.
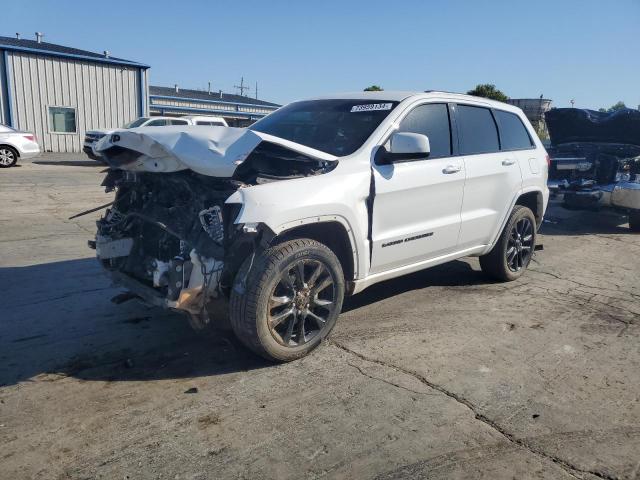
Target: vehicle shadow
<point x="453" y="274"/>
<point x="71" y="163"/>
<point x="58" y="321"/>
<point x="559" y="220"/>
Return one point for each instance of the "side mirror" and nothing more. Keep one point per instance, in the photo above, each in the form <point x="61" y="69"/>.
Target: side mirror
<point x="406" y="146"/>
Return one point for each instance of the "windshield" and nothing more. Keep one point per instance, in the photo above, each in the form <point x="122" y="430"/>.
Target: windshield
<point x="136" y="123"/>
<point x="338" y="127"/>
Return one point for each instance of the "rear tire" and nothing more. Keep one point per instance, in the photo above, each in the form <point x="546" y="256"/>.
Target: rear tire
<point x="634" y="220"/>
<point x="513" y="251"/>
<point x="8" y="156"/>
<point x="286" y="300"/>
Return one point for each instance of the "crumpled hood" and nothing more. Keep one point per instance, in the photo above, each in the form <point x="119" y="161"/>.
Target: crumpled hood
<point x="214" y="151"/>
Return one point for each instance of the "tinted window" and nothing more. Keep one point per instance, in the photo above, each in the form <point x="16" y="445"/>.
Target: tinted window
<point x="212" y="124"/>
<point x="156" y="123"/>
<point x="179" y="122"/>
<point x="136" y="123"/>
<point x="513" y="134"/>
<point x="478" y="132"/>
<point x="338" y="127"/>
<point x="433" y="121"/>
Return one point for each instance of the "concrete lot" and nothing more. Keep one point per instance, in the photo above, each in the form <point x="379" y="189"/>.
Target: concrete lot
<point x="437" y="375"/>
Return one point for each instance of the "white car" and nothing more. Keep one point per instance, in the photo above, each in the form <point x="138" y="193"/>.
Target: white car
<point x="15" y="144"/>
<point x="92" y="136"/>
<point x="322" y="198"/>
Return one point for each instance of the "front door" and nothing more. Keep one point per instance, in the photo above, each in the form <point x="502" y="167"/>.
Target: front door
<point x="417" y="204"/>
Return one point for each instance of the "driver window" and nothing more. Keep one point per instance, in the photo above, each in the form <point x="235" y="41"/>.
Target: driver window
<point x="432" y="120"/>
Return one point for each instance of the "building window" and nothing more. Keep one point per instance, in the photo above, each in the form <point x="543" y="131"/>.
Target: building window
<point x="62" y="120"/>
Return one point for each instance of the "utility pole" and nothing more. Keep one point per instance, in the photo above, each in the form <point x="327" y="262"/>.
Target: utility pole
<point x="241" y="87"/>
<point x="256" y="90"/>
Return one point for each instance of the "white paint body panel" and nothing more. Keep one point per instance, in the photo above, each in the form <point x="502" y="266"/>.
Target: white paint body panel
<point x="26" y="148"/>
<point x="209" y="150"/>
<point x="415" y="199"/>
<point x="464" y="211"/>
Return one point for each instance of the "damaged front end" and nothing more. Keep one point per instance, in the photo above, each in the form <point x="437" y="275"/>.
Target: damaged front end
<point x="595" y="158"/>
<point x="170" y="238"/>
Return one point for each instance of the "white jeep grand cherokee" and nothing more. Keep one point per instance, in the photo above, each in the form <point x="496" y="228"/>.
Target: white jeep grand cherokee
<point x="273" y="225"/>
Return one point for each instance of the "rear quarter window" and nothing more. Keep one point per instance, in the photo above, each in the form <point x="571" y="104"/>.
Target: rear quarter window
<point x="478" y="131"/>
<point x="513" y="133"/>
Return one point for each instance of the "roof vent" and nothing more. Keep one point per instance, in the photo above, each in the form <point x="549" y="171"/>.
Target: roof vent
<point x="176" y="87"/>
<point x="18" y="35"/>
<point x="39" y="36"/>
<point x="106" y="54"/>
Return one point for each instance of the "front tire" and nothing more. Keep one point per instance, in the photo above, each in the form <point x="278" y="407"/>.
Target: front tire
<point x="8" y="157"/>
<point x="287" y="299"/>
<point x="513" y="251"/>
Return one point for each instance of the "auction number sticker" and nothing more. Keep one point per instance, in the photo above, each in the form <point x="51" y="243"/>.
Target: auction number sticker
<point x="371" y="107"/>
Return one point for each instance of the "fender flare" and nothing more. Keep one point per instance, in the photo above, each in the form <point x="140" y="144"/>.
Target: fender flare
<point x="504" y="221"/>
<point x="288" y="226"/>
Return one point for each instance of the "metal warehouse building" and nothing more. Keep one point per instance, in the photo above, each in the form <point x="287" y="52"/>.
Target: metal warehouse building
<point x="237" y="110"/>
<point x="58" y="92"/>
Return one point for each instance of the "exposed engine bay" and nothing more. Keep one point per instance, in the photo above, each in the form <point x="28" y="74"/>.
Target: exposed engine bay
<point x="171" y="239"/>
<point x="595" y="157"/>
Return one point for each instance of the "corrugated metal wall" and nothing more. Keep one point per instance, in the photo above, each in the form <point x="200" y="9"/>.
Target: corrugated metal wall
<point x="103" y="95"/>
<point x="159" y="102"/>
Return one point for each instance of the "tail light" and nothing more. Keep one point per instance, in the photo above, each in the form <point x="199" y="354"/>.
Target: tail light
<point x="30" y="137"/>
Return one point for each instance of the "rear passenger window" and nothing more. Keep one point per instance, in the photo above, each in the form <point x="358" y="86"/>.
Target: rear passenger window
<point x="179" y="122"/>
<point x="431" y="120"/>
<point x="478" y="132"/>
<point x="513" y="133"/>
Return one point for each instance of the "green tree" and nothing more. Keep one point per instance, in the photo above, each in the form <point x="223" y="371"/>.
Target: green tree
<point x="488" y="90"/>
<point x="618" y="106"/>
<point x="374" y="88"/>
<point x="613" y="108"/>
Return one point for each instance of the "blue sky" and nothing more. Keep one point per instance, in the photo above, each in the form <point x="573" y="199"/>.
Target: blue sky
<point x="582" y="49"/>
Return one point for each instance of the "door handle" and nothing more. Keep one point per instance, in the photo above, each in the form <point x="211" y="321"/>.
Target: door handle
<point x="451" y="169"/>
<point x="506" y="163"/>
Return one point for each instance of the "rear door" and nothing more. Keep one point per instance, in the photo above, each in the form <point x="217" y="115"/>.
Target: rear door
<point x="416" y="210"/>
<point x="515" y="137"/>
<point x="493" y="175"/>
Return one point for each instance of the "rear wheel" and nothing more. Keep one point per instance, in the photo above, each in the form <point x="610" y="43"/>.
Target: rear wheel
<point x="634" y="220"/>
<point x="511" y="255"/>
<point x="286" y="300"/>
<point x="8" y="157"/>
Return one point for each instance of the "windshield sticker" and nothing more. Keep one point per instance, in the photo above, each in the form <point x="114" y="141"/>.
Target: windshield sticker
<point x="371" y="107"/>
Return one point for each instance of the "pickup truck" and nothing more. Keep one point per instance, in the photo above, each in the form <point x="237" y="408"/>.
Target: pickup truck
<point x="272" y="225"/>
<point x="595" y="159"/>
